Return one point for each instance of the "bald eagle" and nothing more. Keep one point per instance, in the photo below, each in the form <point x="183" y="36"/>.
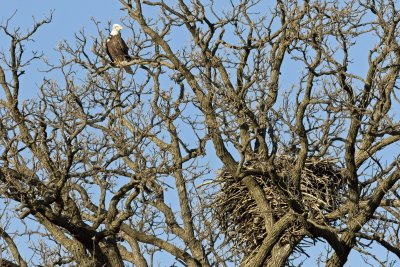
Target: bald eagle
<point x="117" y="49"/>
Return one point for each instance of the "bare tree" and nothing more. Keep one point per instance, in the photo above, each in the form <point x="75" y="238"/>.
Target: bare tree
<point x="115" y="169"/>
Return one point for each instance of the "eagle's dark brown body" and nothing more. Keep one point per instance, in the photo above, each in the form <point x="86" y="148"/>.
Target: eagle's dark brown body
<point x="117" y="50"/>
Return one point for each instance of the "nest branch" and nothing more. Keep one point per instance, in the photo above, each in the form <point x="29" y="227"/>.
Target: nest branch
<point x="322" y="189"/>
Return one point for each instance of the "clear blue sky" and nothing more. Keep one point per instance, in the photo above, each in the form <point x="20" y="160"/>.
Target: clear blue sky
<point x="70" y="17"/>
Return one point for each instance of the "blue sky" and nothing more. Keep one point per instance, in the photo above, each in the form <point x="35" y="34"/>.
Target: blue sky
<point x="69" y="17"/>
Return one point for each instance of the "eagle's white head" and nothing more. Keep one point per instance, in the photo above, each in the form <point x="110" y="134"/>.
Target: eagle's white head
<point x="115" y="29"/>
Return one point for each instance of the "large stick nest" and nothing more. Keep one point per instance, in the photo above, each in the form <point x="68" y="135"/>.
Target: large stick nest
<point x="322" y="188"/>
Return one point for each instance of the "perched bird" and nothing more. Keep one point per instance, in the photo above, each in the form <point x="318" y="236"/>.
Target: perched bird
<point x="117" y="49"/>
